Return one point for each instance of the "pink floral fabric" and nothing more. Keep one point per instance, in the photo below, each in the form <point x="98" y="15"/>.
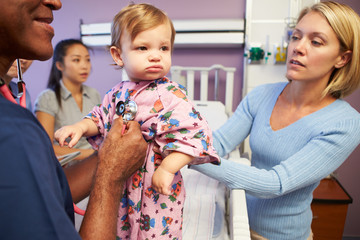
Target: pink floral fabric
<point x="169" y="122"/>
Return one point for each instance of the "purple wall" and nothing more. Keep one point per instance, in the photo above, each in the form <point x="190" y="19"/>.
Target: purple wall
<point x="104" y="76"/>
<point x="348" y="172"/>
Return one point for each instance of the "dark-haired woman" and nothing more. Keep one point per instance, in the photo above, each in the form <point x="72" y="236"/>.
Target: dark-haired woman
<point x="67" y="100"/>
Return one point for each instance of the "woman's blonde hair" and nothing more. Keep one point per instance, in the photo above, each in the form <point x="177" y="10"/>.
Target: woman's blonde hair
<point x="136" y="18"/>
<point x="346" y="24"/>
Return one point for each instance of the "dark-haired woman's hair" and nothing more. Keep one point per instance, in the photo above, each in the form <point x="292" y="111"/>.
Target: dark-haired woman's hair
<point x="55" y="74"/>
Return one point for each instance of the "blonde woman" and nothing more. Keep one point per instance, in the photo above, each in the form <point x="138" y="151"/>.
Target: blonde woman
<point x="300" y="131"/>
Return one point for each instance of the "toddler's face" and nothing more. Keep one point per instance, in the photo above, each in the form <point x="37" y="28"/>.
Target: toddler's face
<point x="148" y="56"/>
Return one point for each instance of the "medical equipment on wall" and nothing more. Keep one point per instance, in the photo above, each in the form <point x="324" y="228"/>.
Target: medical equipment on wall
<point x="280" y="53"/>
<point x="256" y="52"/>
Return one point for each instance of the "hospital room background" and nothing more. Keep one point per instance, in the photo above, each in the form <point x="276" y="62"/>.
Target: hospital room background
<point x="104" y="75"/>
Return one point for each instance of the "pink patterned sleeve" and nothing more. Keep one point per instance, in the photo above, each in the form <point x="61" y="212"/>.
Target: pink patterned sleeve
<point x="181" y="128"/>
<point x="102" y="115"/>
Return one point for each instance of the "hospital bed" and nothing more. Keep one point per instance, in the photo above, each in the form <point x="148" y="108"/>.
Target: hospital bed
<point x="211" y="210"/>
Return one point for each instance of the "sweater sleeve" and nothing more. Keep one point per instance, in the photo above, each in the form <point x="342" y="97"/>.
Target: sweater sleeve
<point x="321" y="156"/>
<point x="235" y="130"/>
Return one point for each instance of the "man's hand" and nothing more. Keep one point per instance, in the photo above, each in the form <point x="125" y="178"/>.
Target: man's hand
<point x="121" y="155"/>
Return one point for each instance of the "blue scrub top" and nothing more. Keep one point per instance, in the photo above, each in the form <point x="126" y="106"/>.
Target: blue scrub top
<point x="35" y="199"/>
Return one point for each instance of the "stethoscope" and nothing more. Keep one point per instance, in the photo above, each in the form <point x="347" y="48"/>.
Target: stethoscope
<point x="5" y="91"/>
<point x="127" y="110"/>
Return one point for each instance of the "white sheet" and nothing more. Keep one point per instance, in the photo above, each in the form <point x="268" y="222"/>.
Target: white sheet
<point x="238" y="219"/>
<point x="213" y="111"/>
<point x="199" y="208"/>
<point x="204" y="193"/>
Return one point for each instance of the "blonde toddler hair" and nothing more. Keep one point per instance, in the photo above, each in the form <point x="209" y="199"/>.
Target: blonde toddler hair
<point x="136" y="18"/>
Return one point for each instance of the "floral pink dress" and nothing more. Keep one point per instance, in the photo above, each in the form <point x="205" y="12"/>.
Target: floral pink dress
<point x="169" y="122"/>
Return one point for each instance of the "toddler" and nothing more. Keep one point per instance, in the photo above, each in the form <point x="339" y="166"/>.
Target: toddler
<point x="152" y="204"/>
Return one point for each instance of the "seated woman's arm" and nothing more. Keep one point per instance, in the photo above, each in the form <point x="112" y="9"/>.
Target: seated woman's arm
<point x="80" y="177"/>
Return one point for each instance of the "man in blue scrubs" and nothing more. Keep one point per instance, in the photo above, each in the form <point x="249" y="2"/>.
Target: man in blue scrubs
<point x="35" y="197"/>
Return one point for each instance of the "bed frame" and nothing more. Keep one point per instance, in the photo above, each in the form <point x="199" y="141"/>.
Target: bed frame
<point x="236" y="226"/>
<point x="189" y="82"/>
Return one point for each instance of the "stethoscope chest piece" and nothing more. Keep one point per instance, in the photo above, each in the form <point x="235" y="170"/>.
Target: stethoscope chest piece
<point x="126" y="110"/>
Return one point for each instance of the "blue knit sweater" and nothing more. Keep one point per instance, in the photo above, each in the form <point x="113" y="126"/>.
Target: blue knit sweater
<point x="287" y="164"/>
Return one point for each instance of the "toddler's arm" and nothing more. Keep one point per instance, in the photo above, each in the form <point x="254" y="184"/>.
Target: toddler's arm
<point x="164" y="174"/>
<point x="85" y="127"/>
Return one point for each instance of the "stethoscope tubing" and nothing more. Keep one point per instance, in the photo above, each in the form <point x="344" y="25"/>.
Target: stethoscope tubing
<point x="5" y="91"/>
<point x="78" y="210"/>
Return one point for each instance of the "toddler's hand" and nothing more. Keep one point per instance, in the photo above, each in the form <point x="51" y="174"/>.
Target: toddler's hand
<point x="75" y="133"/>
<point x="161" y="181"/>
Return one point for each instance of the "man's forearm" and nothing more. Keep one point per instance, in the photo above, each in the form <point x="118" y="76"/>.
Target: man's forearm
<point x="102" y="209"/>
<point x="119" y="156"/>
